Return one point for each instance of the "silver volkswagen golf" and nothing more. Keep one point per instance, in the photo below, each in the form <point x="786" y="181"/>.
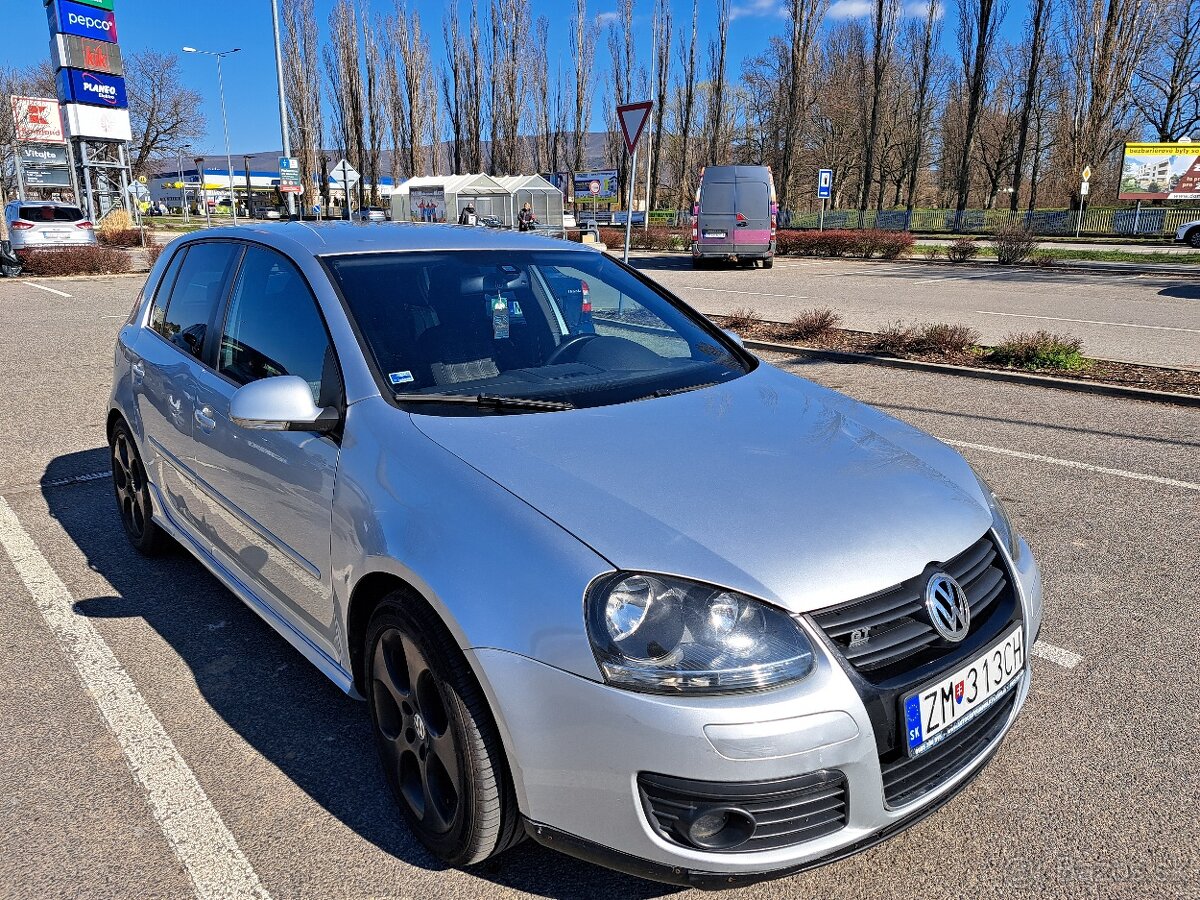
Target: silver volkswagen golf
<point x="603" y="578"/>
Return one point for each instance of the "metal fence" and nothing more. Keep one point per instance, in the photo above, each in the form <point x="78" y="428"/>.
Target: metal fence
<point x="1155" y="221"/>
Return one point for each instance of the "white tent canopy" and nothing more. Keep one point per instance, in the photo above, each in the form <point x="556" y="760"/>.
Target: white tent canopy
<point x="488" y="196"/>
<point x="544" y="199"/>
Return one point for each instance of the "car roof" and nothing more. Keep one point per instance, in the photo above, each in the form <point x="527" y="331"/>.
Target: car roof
<point x="341" y="237"/>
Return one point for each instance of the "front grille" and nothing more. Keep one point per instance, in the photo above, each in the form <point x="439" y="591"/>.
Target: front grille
<point x="786" y="811"/>
<point x="909" y="778"/>
<point x="877" y="632"/>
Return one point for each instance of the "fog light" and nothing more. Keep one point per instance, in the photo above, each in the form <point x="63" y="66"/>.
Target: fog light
<point x="719" y="828"/>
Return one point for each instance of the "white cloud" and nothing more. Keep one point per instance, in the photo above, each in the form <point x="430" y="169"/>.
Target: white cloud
<point x="756" y="8"/>
<point x="849" y="9"/>
<point x="917" y="9"/>
<point x="606" y="18"/>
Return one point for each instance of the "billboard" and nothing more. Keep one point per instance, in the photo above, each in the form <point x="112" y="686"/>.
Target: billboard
<point x="427" y="204"/>
<point x="608" y="185"/>
<point x="37" y="120"/>
<point x="94" y="88"/>
<point x="98" y="122"/>
<point x="50" y="155"/>
<point x="45" y="176"/>
<point x="82" y="20"/>
<point x="1159" y="171"/>
<point x="68" y="51"/>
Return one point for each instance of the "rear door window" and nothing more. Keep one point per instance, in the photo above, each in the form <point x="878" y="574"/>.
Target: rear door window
<point x="717" y="197"/>
<point x="197" y="293"/>
<point x="752" y="199"/>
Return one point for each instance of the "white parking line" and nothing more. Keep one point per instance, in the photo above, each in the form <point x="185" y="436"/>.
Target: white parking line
<point x="214" y="862"/>
<point x="1065" y="658"/>
<point x="984" y="312"/>
<point x="1074" y="464"/>
<point x="751" y="293"/>
<point x="42" y="287"/>
<point x="959" y="277"/>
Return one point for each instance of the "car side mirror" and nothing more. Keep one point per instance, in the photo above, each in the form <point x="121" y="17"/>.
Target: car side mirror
<point x="280" y="403"/>
<point x="735" y="337"/>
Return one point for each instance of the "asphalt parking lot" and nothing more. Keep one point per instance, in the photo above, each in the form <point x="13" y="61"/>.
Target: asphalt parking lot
<point x="1133" y="317"/>
<point x="269" y="768"/>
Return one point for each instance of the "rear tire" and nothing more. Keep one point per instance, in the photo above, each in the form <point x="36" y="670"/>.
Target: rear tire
<point x="769" y="263"/>
<point x="438" y="743"/>
<point x="10" y="271"/>
<point x="1193" y="238"/>
<point x="132" y="489"/>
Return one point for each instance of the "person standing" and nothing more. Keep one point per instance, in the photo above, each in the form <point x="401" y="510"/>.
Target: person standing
<point x="467" y="216"/>
<point x="526" y="221"/>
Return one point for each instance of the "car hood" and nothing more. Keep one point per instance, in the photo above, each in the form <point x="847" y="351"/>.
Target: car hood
<point x="768" y="484"/>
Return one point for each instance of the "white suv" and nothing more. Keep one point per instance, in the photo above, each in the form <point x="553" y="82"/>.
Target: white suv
<point x="34" y="224"/>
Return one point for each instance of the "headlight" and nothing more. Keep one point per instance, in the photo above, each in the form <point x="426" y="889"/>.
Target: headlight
<point x="1000" y="520"/>
<point x="664" y="634"/>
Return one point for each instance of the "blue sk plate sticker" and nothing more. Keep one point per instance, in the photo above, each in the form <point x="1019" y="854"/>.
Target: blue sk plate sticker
<point x="400" y="377"/>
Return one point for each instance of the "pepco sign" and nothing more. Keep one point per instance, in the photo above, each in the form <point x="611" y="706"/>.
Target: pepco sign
<point x="84" y="21"/>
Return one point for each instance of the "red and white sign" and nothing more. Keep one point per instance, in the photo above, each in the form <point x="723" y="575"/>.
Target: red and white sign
<point x="38" y="120"/>
<point x="594" y="187"/>
<point x="633" y="118"/>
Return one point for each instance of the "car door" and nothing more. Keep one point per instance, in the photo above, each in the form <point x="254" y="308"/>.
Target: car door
<point x="753" y="229"/>
<point x="717" y="221"/>
<point x="167" y="357"/>
<point x="269" y="494"/>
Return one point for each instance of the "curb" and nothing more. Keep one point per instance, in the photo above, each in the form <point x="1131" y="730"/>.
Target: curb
<point x="913" y="365"/>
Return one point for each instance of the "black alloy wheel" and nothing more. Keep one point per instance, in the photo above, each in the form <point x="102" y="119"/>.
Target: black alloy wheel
<point x="132" y="489"/>
<point x="438" y="744"/>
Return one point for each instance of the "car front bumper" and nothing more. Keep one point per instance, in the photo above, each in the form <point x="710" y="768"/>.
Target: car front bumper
<point x="576" y="748"/>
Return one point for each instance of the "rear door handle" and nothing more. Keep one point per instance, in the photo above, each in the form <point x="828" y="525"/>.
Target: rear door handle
<point x="204" y="418"/>
<point x="742" y="224"/>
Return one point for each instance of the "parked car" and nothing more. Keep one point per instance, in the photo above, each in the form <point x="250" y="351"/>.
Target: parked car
<point x="370" y="214"/>
<point x="632" y="592"/>
<point x="1188" y="233"/>
<point x="569" y="221"/>
<point x="267" y="212"/>
<point x="734" y="217"/>
<point x="34" y="224"/>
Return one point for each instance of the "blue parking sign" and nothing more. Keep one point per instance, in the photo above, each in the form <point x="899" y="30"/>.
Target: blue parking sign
<point x="824" y="184"/>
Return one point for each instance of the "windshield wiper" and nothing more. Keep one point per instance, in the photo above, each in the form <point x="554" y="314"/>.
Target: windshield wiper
<point x="670" y="392"/>
<point x="486" y="400"/>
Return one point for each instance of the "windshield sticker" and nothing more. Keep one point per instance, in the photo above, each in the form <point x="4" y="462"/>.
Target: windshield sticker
<point x="400" y="377"/>
<point x="514" y="311"/>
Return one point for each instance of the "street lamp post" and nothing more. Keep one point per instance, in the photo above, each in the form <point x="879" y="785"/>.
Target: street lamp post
<point x="224" y="121"/>
<point x="202" y="191"/>
<point x="283" y="119"/>
<point x="183" y="203"/>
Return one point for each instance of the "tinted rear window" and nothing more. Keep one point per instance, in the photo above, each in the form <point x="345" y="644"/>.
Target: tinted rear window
<point x="50" y="213"/>
<point x="752" y="198"/>
<point x="716" y="197"/>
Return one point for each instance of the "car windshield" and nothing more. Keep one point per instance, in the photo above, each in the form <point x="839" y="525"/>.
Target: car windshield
<point x="570" y="327"/>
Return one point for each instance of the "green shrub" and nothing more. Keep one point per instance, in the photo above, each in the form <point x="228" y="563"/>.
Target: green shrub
<point x="88" y="260"/>
<point x="1041" y="350"/>
<point x="933" y="251"/>
<point x="812" y="324"/>
<point x="963" y="250"/>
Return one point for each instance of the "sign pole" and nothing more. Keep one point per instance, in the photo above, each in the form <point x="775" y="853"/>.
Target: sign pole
<point x="821" y="216"/>
<point x="629" y="214"/>
<point x="16" y="148"/>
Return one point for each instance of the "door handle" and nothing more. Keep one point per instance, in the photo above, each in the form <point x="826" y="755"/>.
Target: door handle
<point x="742" y="224"/>
<point x="204" y="418"/>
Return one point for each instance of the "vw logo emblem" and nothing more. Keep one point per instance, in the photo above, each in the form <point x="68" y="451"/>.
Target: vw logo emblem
<point x="947" y="606"/>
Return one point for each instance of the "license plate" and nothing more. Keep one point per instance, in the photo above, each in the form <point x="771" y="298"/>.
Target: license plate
<point x="940" y="708"/>
<point x="715" y="234"/>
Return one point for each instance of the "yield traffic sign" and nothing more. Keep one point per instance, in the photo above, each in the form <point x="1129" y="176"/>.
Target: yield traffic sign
<point x="633" y="118"/>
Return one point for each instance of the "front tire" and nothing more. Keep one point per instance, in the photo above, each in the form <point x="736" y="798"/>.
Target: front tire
<point x="132" y="489"/>
<point x="1193" y="238"/>
<point x="437" y="741"/>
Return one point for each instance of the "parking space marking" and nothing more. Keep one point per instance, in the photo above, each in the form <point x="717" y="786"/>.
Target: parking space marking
<point x="984" y="312"/>
<point x="203" y="844"/>
<point x="42" y="287"/>
<point x="751" y="293"/>
<point x="959" y="277"/>
<point x="1075" y="464"/>
<point x="1065" y="658"/>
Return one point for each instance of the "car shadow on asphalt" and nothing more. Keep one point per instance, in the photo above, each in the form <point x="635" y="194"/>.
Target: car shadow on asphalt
<point x="1181" y="291"/>
<point x="275" y="700"/>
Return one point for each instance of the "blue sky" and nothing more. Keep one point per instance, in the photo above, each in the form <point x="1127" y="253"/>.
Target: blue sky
<point x="168" y="25"/>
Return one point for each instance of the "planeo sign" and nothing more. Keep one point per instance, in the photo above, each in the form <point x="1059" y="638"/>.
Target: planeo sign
<point x="82" y="20"/>
<point x="76" y="86"/>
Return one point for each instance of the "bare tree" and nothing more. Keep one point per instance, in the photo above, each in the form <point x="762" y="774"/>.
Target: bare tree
<point x="376" y="110"/>
<point x="584" y="33"/>
<point x="884" y="16"/>
<point x="623" y="70"/>
<point x="454" y="82"/>
<point x="804" y="19"/>
<point x="474" y="95"/>
<point x="343" y="72"/>
<point x="1166" y="91"/>
<point x="662" y="82"/>
<point x="35" y="81"/>
<point x="301" y="74"/>
<point x="415" y="106"/>
<point x="978" y="22"/>
<point x="510" y="28"/>
<point x="718" y="47"/>
<point x="922" y="43"/>
<point x="164" y="115"/>
<point x="541" y="99"/>
<point x="686" y="111"/>
<point x="1036" y="30"/>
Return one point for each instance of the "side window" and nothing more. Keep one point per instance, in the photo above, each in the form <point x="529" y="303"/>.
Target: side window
<point x="163" y="294"/>
<point x="196" y="294"/>
<point x="717" y="197"/>
<point x="273" y="328"/>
